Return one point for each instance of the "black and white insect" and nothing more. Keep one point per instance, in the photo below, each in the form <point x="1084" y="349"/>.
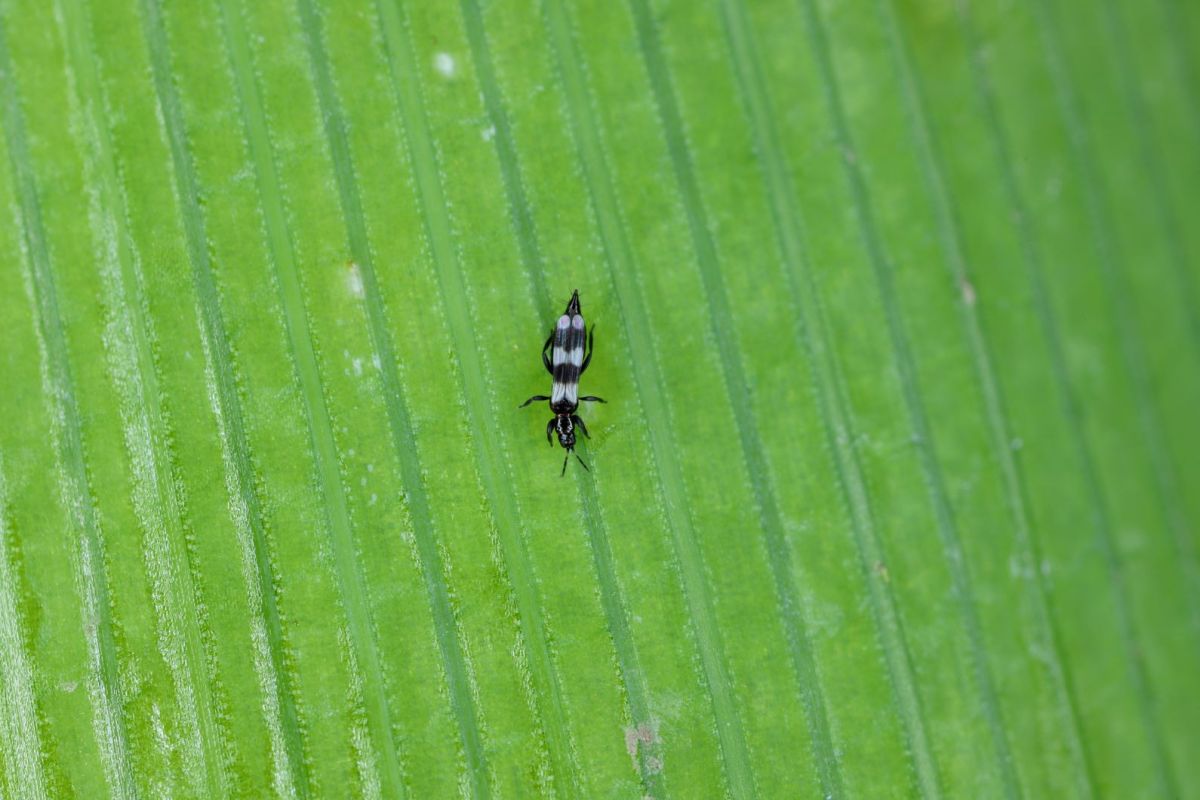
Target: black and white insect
<point x="569" y="360"/>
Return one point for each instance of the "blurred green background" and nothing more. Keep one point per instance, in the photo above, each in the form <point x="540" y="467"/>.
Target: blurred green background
<point x="897" y="493"/>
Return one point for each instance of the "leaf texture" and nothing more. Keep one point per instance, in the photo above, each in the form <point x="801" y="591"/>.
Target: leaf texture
<point x="896" y="493"/>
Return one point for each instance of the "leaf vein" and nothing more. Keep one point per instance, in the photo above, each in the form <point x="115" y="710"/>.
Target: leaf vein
<point x="227" y="408"/>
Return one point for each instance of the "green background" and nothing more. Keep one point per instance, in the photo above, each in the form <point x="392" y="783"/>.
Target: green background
<point x="897" y="493"/>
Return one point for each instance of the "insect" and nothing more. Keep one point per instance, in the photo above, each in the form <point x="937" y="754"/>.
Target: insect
<point x="569" y="360"/>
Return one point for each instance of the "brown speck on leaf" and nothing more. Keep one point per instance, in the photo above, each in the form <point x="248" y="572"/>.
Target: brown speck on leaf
<point x="644" y="735"/>
<point x="882" y="571"/>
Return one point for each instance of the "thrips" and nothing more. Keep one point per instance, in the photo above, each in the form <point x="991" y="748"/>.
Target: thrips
<point x="568" y="362"/>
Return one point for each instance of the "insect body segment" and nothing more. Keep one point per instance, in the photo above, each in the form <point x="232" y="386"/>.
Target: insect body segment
<point x="570" y="348"/>
<point x="567" y="363"/>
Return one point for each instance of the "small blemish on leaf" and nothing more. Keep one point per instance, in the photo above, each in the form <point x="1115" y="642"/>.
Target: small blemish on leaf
<point x="354" y="281"/>
<point x="444" y="63"/>
<point x="968" y="292"/>
<point x="642" y="736"/>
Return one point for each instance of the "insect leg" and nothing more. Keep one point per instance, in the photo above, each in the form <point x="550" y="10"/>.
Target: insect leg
<point x="591" y="346"/>
<point x="546" y="358"/>
<point x="564" y="469"/>
<point x="581" y="462"/>
<point x="593" y="399"/>
<point x="575" y="418"/>
<point x="533" y="399"/>
<point x="550" y="431"/>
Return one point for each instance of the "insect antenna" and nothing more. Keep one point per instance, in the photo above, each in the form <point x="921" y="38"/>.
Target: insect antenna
<point x="567" y="458"/>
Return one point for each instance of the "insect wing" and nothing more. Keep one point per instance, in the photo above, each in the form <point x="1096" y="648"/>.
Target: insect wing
<point x="569" y="335"/>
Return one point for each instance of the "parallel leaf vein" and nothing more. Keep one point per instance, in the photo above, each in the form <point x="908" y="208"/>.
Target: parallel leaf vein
<point x="245" y="505"/>
<point x="403" y="440"/>
<point x="147" y="428"/>
<point x="1152" y="164"/>
<point x="813" y="332"/>
<point x="918" y="419"/>
<point x="998" y="423"/>
<point x="648" y="377"/>
<point x="19" y="733"/>
<point x="616" y="613"/>
<point x="1071" y="407"/>
<point x="363" y="647"/>
<point x="59" y="387"/>
<point x="734" y="375"/>
<point x="552" y="707"/>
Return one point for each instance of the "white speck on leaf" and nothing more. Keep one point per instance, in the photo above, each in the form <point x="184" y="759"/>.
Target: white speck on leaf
<point x="354" y="281"/>
<point x="444" y="63"/>
<point x="968" y="292"/>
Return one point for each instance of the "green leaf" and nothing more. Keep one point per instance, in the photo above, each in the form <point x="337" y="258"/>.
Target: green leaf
<point x="897" y="491"/>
